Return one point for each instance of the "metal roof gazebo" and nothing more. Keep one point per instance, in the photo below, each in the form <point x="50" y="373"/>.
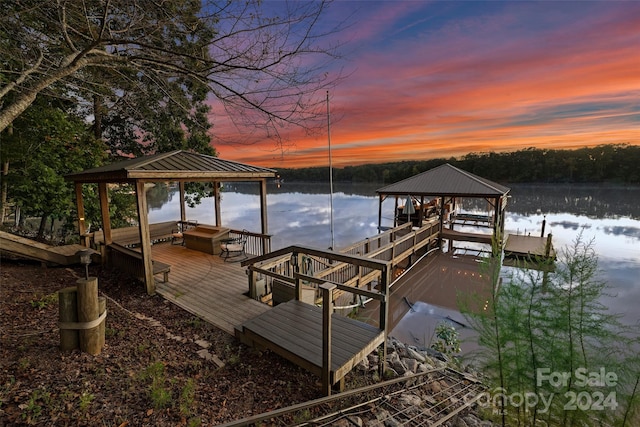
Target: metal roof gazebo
<point x="447" y="182"/>
<point x="180" y="166"/>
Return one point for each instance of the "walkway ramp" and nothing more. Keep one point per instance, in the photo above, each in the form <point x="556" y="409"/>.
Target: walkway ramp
<point x="30" y="249"/>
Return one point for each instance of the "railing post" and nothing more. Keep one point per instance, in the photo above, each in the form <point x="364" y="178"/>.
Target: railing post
<point x="252" y="283"/>
<point x="385" y="278"/>
<point x="296" y="261"/>
<point x="327" y="311"/>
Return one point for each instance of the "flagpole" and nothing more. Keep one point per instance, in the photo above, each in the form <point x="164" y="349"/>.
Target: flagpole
<point x="330" y="171"/>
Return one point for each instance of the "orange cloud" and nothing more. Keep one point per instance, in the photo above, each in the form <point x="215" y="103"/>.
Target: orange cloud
<point x="472" y="85"/>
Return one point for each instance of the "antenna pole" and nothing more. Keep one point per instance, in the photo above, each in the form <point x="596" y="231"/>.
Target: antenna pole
<point x="330" y="171"/>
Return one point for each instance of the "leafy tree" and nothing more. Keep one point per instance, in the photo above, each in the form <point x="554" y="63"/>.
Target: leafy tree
<point x="262" y="62"/>
<point x="46" y="143"/>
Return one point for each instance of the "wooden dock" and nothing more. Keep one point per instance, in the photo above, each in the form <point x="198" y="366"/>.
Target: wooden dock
<point x="207" y="287"/>
<point x="293" y="330"/>
<point x="520" y="246"/>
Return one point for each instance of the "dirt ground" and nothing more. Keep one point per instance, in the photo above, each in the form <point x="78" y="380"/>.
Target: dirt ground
<point x="149" y="372"/>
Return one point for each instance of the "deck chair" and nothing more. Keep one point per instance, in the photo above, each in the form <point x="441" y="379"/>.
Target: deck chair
<point x="177" y="236"/>
<point x="233" y="249"/>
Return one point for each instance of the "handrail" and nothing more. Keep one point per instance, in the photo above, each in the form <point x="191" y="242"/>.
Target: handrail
<point x="350" y="270"/>
<point x="256" y="243"/>
<point x="358" y="291"/>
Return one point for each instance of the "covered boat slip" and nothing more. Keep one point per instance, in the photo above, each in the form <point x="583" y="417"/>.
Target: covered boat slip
<point x="438" y="192"/>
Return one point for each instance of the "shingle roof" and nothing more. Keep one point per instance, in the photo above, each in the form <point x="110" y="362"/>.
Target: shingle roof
<point x="177" y="165"/>
<point x="445" y="180"/>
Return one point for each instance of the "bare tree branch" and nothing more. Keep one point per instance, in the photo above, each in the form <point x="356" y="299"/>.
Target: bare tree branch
<point x="264" y="65"/>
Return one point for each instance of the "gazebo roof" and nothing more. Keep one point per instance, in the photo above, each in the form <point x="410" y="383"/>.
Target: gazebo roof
<point x="445" y="180"/>
<point x="176" y="165"/>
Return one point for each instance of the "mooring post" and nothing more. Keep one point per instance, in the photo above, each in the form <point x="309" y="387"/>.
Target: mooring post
<point x="68" y="313"/>
<point x="547" y="247"/>
<point x="89" y="311"/>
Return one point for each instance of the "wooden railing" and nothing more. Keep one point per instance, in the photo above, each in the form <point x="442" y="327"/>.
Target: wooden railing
<point x="257" y="243"/>
<point x="394" y="246"/>
<point x="130" y="236"/>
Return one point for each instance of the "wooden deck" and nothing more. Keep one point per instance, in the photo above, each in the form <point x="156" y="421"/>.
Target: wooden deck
<point x="294" y="330"/>
<point x="206" y="286"/>
<point x="519" y="246"/>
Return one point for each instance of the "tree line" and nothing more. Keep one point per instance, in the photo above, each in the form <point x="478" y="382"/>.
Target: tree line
<point x="614" y="163"/>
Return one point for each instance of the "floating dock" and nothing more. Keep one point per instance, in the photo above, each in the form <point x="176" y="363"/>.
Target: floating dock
<point x="529" y="247"/>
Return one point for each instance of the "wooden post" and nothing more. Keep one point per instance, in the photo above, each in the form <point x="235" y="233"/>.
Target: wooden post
<point x="104" y="210"/>
<point x="183" y="214"/>
<point x="88" y="311"/>
<point x="253" y="276"/>
<point x="327" y="311"/>
<point x="547" y="247"/>
<point x="380" y="213"/>
<point x="145" y="242"/>
<point x="296" y="259"/>
<point x="385" y="280"/>
<point x="395" y="213"/>
<point x="216" y="203"/>
<point x="264" y="225"/>
<point x="67" y="303"/>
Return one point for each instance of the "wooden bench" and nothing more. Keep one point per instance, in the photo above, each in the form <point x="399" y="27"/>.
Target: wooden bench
<point x="130" y="236"/>
<point x="205" y="238"/>
<point x="130" y="262"/>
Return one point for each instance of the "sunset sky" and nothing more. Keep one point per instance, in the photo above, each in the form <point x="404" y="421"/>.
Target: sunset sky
<point x="445" y="78"/>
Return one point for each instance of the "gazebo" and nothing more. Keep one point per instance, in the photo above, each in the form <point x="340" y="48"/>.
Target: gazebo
<point x="176" y="166"/>
<point x="442" y="185"/>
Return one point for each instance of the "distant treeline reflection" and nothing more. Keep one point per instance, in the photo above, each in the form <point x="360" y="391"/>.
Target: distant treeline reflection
<point x="617" y="163"/>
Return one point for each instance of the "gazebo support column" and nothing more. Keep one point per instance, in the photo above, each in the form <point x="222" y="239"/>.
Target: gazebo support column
<point x="380" y="213"/>
<point x="183" y="213"/>
<point x="216" y="201"/>
<point x="103" y="195"/>
<point x="104" y="211"/>
<point x="145" y="243"/>
<point x="263" y="207"/>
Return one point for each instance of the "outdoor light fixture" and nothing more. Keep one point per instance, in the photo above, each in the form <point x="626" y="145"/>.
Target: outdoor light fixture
<point x="85" y="259"/>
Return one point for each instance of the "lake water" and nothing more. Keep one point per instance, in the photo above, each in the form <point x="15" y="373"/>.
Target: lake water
<point x="299" y="213"/>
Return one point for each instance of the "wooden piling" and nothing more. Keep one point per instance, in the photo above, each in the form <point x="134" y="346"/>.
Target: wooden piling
<point x="68" y="313"/>
<point x="88" y="311"/>
<point x="547" y="246"/>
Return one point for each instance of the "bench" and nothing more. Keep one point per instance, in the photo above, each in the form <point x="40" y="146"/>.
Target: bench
<point x="205" y="238"/>
<point x="130" y="262"/>
<point x="130" y="236"/>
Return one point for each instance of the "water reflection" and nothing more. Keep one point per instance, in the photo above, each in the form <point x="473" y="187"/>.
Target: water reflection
<point x="299" y="214"/>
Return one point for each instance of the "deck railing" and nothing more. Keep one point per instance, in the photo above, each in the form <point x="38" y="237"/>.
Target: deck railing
<point x="394" y="246"/>
<point x="257" y="243"/>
